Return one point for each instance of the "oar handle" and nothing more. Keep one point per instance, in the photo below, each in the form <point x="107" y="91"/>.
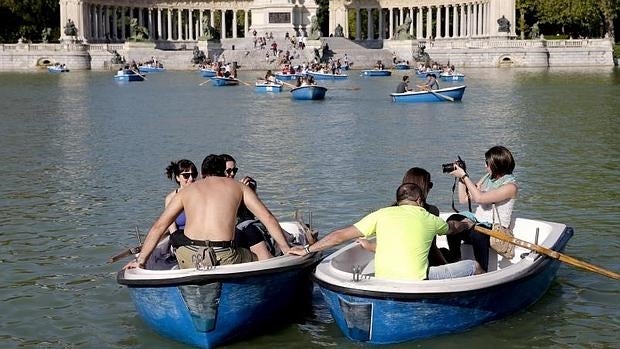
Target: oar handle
<point x="548" y="252"/>
<point x="127" y="252"/>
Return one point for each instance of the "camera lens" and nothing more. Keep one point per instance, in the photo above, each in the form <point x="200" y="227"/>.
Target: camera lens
<point x="447" y="168"/>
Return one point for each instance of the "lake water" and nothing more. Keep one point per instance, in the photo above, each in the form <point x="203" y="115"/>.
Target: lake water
<point x="82" y="160"/>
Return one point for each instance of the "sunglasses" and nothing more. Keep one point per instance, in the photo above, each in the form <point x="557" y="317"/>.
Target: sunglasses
<point x="232" y="171"/>
<point x="186" y="175"/>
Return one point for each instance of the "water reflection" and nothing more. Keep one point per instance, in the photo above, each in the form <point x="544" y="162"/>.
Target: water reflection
<point x="83" y="159"/>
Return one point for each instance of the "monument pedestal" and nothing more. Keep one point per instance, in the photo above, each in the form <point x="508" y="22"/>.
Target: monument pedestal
<point x="211" y="48"/>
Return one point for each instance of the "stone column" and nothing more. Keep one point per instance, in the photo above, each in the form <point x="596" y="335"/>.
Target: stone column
<point x="358" y="23"/>
<point x="190" y="23"/>
<point x="418" y="24"/>
<point x="223" y="26"/>
<point x="201" y="28"/>
<point x="180" y="25"/>
<point x="455" y="22"/>
<point x="159" y="32"/>
<point x="462" y="31"/>
<point x="169" y="24"/>
<point x="97" y="22"/>
<point x="478" y="21"/>
<point x="472" y="19"/>
<point x="246" y="23"/>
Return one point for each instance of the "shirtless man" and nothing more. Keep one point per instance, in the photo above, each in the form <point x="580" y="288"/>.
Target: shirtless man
<point x="210" y="207"/>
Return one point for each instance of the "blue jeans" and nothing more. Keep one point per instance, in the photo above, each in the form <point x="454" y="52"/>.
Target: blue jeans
<point x="452" y="270"/>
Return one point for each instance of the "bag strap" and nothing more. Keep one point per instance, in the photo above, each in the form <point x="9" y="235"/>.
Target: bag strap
<point x="495" y="210"/>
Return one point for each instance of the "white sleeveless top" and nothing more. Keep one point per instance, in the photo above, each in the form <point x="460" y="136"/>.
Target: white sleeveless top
<point x="484" y="212"/>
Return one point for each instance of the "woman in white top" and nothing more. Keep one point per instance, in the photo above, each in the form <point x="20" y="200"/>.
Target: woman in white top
<point x="495" y="193"/>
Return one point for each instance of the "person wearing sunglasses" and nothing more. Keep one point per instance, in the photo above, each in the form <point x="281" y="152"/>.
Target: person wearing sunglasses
<point x="184" y="173"/>
<point x="250" y="232"/>
<point x="210" y="206"/>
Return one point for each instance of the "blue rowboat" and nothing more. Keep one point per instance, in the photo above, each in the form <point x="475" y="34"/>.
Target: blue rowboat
<point x="401" y="66"/>
<point x="286" y="76"/>
<point x="223" y="81"/>
<point x="376" y="72"/>
<point x="451" y="77"/>
<point x="422" y="74"/>
<point x="450" y="94"/>
<point x="150" y="69"/>
<point x="128" y="75"/>
<point x="268" y="87"/>
<point x="211" y="307"/>
<point x="309" y="92"/>
<point x="207" y="73"/>
<point x="327" y="76"/>
<point x="381" y="311"/>
<point x="57" y="69"/>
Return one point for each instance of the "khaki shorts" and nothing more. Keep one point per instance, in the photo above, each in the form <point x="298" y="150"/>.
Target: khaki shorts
<point x="190" y="256"/>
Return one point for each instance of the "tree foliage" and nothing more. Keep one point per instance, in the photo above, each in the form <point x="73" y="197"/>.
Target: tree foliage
<point x="28" y="18"/>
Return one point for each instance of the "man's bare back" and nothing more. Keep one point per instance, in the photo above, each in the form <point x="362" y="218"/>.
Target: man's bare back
<point x="210" y="207"/>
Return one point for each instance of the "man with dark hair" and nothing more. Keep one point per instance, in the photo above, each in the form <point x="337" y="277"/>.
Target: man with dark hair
<point x="404" y="235"/>
<point x="403" y="86"/>
<point x="210" y="207"/>
<point x="213" y="165"/>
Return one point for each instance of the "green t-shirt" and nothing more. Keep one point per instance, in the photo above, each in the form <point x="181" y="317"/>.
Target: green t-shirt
<point x="404" y="236"/>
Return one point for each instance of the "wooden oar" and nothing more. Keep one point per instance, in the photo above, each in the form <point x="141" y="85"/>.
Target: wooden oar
<point x="287" y="84"/>
<point x="204" y="82"/>
<point x="548" y="252"/>
<point x="128" y="252"/>
<point x="243" y="82"/>
<point x="356" y="88"/>
<point x="144" y="77"/>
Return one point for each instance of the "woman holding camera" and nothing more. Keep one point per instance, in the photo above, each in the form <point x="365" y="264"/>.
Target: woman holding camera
<point x="495" y="193"/>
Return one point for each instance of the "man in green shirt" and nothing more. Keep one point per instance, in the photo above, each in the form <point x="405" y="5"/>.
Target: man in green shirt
<point x="404" y="235"/>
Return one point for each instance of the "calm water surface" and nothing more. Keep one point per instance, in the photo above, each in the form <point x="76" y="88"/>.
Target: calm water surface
<point x="82" y="161"/>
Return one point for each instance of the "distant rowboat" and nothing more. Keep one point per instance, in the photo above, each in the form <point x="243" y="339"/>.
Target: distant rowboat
<point x="401" y="66"/>
<point x="327" y="76"/>
<point x="450" y="94"/>
<point x="451" y="77"/>
<point x="207" y="73"/>
<point x="223" y="81"/>
<point x="376" y="72"/>
<point x="151" y="69"/>
<point x="268" y="87"/>
<point x="310" y="92"/>
<point x="128" y="75"/>
<point x="57" y="68"/>
<point x="286" y="76"/>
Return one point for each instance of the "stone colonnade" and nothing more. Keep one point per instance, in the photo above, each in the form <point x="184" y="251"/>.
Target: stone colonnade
<point x="98" y="22"/>
<point x="430" y="19"/>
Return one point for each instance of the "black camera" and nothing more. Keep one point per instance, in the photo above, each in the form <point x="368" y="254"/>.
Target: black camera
<point x="447" y="168"/>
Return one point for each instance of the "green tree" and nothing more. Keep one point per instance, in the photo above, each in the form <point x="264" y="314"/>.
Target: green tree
<point x="322" y="15"/>
<point x="28" y="18"/>
<point x="525" y="8"/>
